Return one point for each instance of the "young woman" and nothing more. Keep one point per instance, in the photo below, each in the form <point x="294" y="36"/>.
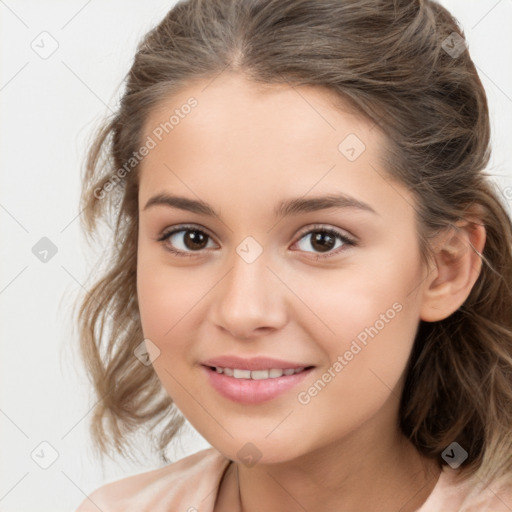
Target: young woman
<point x="309" y="263"/>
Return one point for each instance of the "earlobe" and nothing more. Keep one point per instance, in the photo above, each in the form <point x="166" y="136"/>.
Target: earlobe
<point x="458" y="262"/>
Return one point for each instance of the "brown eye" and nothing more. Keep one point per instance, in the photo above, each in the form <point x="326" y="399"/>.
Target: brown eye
<point x="185" y="240"/>
<point x="194" y="240"/>
<point x="325" y="240"/>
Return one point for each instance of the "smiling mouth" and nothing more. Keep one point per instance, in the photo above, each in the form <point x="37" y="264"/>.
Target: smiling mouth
<point x="272" y="373"/>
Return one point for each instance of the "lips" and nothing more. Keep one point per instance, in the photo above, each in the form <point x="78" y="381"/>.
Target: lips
<point x="256" y="380"/>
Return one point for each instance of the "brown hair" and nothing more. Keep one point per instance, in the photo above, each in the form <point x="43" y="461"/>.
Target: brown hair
<point x="390" y="60"/>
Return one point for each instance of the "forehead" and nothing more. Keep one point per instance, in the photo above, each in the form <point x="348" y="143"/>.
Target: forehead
<point x="257" y="115"/>
<point x="263" y="141"/>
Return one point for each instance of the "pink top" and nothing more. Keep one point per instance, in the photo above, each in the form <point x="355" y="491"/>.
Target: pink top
<point x="191" y="485"/>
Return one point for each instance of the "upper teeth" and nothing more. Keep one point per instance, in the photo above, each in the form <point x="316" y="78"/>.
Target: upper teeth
<point x="257" y="374"/>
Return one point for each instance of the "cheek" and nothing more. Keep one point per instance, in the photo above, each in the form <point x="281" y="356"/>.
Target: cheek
<point x="171" y="305"/>
<point x="157" y="301"/>
<point x="348" y="300"/>
<point x="369" y="319"/>
<point x="166" y="304"/>
<point x="374" y="326"/>
<point x="165" y="293"/>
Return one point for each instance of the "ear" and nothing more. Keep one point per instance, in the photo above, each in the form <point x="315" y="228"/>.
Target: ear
<point x="458" y="261"/>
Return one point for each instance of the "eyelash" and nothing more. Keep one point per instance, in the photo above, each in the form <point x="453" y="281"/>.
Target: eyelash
<point x="315" y="229"/>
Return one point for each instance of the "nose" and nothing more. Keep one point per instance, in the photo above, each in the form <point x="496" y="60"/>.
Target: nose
<point x="250" y="300"/>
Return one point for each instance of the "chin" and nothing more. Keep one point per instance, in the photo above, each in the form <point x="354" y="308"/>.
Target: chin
<point x="250" y="451"/>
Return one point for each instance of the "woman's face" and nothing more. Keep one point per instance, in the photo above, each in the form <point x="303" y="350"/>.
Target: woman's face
<point x="334" y="287"/>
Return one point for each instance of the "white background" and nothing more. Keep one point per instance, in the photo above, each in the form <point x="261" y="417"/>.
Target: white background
<point x="49" y="108"/>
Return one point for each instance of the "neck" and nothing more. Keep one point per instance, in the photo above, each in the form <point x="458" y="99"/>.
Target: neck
<point x="363" y="481"/>
<point x="374" y="468"/>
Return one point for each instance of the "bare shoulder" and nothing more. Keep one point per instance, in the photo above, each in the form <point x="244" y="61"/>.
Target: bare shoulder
<point x="153" y="488"/>
<point x="495" y="496"/>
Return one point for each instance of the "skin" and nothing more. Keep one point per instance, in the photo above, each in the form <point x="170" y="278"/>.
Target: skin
<point x="243" y="149"/>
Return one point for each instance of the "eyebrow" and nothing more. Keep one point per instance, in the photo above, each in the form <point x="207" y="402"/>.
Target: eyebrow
<point x="286" y="208"/>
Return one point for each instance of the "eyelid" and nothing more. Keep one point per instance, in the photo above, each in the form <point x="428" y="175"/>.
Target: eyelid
<point x="347" y="238"/>
<point x="167" y="232"/>
<point x="324" y="227"/>
<point x="183" y="227"/>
